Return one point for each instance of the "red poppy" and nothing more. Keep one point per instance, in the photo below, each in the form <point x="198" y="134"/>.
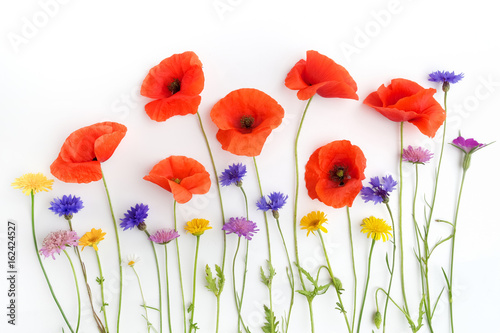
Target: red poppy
<point x="334" y="173"/>
<point x="405" y="100"/>
<point x="320" y="74"/>
<point x="245" y="118"/>
<point x="84" y="150"/>
<point x="175" y="84"/>
<point x="180" y="175"/>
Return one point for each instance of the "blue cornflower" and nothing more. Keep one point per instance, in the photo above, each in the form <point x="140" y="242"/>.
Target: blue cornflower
<point x="276" y="201"/>
<point x="66" y="206"/>
<point x="446" y="78"/>
<point x="379" y="190"/>
<point x="233" y="175"/>
<point x="134" y="217"/>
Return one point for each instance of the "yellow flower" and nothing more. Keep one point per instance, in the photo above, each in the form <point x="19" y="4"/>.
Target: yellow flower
<point x="197" y="226"/>
<point x="313" y="221"/>
<point x="376" y="228"/>
<point x="33" y="183"/>
<point x="92" y="238"/>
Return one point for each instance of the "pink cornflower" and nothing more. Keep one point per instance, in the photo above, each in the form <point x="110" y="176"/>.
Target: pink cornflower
<point x="417" y="155"/>
<point x="57" y="241"/>
<point x="164" y="236"/>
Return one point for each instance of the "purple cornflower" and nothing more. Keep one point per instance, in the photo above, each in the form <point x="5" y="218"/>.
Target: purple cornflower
<point x="276" y="201"/>
<point x="233" y="175"/>
<point x="164" y="236"/>
<point x="241" y="226"/>
<point x="446" y="78"/>
<point x="468" y="146"/>
<point x="134" y="217"/>
<point x="417" y="155"/>
<point x="379" y="190"/>
<point x="57" y="241"/>
<point x="66" y="206"/>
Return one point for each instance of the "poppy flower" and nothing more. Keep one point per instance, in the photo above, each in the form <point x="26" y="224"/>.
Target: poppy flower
<point x="320" y="74"/>
<point x="405" y="100"/>
<point x="245" y="118"/>
<point x="175" y="84"/>
<point x="180" y="175"/>
<point x="334" y="173"/>
<point x="84" y="150"/>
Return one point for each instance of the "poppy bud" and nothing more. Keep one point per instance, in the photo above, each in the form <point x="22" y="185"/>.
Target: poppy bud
<point x="377" y="319"/>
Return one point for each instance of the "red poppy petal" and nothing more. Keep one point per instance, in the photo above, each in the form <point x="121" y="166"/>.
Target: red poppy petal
<point x="337" y="89"/>
<point x="338" y="197"/>
<point x="243" y="144"/>
<point x="181" y="194"/>
<point x="309" y="91"/>
<point x="396" y="90"/>
<point x="312" y="174"/>
<point x="106" y="144"/>
<point x="177" y="105"/>
<point x="198" y="183"/>
<point x="70" y="172"/>
<point x="294" y="78"/>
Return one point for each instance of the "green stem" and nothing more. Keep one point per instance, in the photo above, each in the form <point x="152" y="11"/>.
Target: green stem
<point x="349" y="329"/>
<point x="143" y="300"/>
<point x="268" y="246"/>
<point x="194" y="283"/>
<point x="295" y="210"/>
<point x="366" y="286"/>
<point x="168" y="291"/>
<point x="392" y="268"/>
<point x="102" y="291"/>
<point x="246" y="260"/>
<point x="119" y="253"/>
<point x="179" y="265"/>
<point x="353" y="267"/>
<point x="238" y="302"/>
<point x="450" y="287"/>
<point x="218" y="189"/>
<point x="41" y="264"/>
<point x="159" y="280"/>
<point x="311" y="316"/>
<point x="400" y="220"/>
<point x="291" y="278"/>
<point x="77" y="291"/>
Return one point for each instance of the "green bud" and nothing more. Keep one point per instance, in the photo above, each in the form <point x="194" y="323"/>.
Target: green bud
<point x="276" y="214"/>
<point x="446" y="86"/>
<point x="377" y="319"/>
<point x="466" y="163"/>
<point x="337" y="283"/>
<point x="141" y="226"/>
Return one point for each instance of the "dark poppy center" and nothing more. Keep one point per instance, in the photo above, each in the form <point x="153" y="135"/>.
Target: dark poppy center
<point x="174" y="86"/>
<point x="247" y="122"/>
<point x="177" y="180"/>
<point x="339" y="175"/>
<point x="94" y="159"/>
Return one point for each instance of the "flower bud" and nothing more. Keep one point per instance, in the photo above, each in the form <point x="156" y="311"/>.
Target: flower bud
<point x="466" y="163"/>
<point x="377" y="319"/>
<point x="142" y="226"/>
<point x="337" y="283"/>
<point x="276" y="214"/>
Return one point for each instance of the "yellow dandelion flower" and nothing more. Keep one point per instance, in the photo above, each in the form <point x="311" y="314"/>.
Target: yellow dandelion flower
<point x="314" y="221"/>
<point x="33" y="183"/>
<point x="376" y="228"/>
<point x="197" y="227"/>
<point x="92" y="238"/>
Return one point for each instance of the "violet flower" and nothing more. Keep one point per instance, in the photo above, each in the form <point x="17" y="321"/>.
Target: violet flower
<point x="134" y="217"/>
<point x="233" y="175"/>
<point x="417" y="155"/>
<point x="240" y="226"/>
<point x="379" y="190"/>
<point x="66" y="206"/>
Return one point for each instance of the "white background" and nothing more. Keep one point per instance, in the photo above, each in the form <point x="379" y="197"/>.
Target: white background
<point x="74" y="63"/>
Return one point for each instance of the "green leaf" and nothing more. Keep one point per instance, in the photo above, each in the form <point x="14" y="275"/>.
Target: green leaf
<point x="211" y="281"/>
<point x="222" y="279"/>
<point x="270" y="325"/>
<point x="191" y="307"/>
<point x="150" y="307"/>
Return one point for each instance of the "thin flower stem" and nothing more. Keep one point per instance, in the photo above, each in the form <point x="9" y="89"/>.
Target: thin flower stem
<point x="400" y="220"/>
<point x="311" y="315"/>
<point x="295" y="210"/>
<point x="218" y="190"/>
<point x="333" y="277"/>
<point x="143" y="300"/>
<point x="423" y="262"/>
<point x="168" y="290"/>
<point x="77" y="291"/>
<point x="291" y="278"/>
<point x="179" y="265"/>
<point x="238" y="302"/>
<point x="366" y="286"/>
<point x="119" y="253"/>
<point x="392" y="268"/>
<point x="450" y="286"/>
<point x="353" y="267"/>
<point x="103" y="307"/>
<point x="246" y="260"/>
<point x="41" y="264"/>
<point x="194" y="284"/>
<point x="159" y="281"/>
<point x="268" y="247"/>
